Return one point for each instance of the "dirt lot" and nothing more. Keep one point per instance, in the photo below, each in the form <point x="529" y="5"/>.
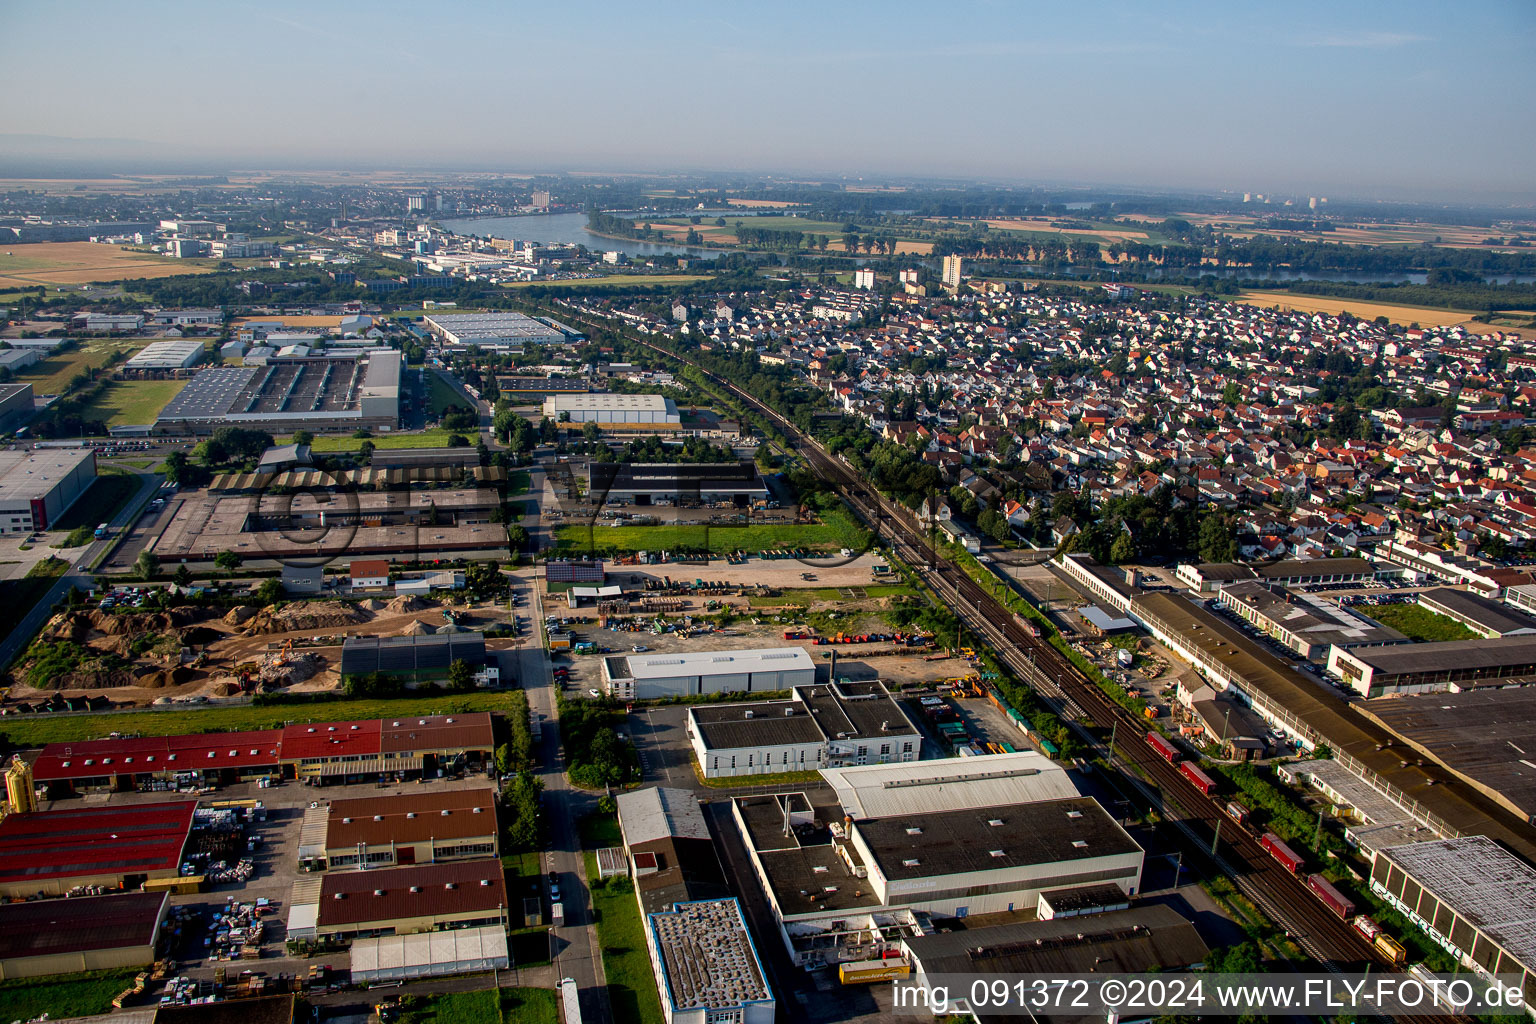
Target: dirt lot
<point x="221" y="640"/>
<point x="55" y="263"/>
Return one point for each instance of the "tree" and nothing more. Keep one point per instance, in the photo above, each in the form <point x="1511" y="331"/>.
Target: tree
<point x="1218" y="540"/>
<point x="269" y="592"/>
<point x="1123" y="550"/>
<point x="461" y="676"/>
<point x="183" y="577"/>
<point x="176" y="468"/>
<point x="365" y="453"/>
<point x="303" y="437"/>
<point x="517" y="537"/>
<point x="227" y="560"/>
<point x="147" y="565"/>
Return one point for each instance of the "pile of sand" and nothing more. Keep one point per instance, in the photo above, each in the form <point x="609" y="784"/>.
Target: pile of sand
<point x="240" y="614"/>
<point x="306" y="616"/>
<point x="405" y="604"/>
<point x="297" y="670"/>
<point x="371" y="604"/>
<point x="416" y="628"/>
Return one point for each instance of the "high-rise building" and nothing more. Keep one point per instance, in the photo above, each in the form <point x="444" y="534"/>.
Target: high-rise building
<point x="415" y="203"/>
<point x="954" y="267"/>
<point x="541" y="200"/>
<point x="437" y="202"/>
<point x="1312" y="203"/>
<point x="864" y="279"/>
<point x="1247" y="197"/>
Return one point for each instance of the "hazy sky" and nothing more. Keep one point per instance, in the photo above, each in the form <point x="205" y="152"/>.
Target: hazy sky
<point x="1350" y="98"/>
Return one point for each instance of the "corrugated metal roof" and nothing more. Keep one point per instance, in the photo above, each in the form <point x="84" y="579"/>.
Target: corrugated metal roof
<point x="52" y="927"/>
<point x="93" y="841"/>
<point x="659" y="813"/>
<point x="881" y="790"/>
<point x="704" y="663"/>
<point x="461" y="887"/>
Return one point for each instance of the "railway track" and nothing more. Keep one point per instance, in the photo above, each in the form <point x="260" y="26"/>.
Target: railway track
<point x="1201" y="819"/>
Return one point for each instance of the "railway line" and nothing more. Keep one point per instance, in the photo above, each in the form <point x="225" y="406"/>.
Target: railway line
<point x="1200" y="818"/>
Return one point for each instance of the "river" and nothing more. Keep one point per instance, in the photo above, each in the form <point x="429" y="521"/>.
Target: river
<point x="565" y="229"/>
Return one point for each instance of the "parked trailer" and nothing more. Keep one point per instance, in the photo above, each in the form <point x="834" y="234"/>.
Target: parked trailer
<point x="1237" y="812"/>
<point x="557" y="913"/>
<point x="1337" y="902"/>
<point x="1282" y="853"/>
<point x="1167" y="751"/>
<point x="866" y="971"/>
<point x="1203" y="782"/>
<point x="570" y="998"/>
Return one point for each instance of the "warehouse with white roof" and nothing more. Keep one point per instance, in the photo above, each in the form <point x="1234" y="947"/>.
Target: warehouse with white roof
<point x="606" y="408"/>
<point x="166" y="355"/>
<point x="652" y="676"/>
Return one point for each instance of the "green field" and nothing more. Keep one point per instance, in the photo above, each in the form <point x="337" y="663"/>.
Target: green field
<point x="62" y="995"/>
<point x="435" y="438"/>
<point x="52" y="375"/>
<point x="127" y="402"/>
<point x="647" y="280"/>
<point x="715" y="539"/>
<point x="620" y="932"/>
<point x="480" y="1007"/>
<point x="441" y="395"/>
<point x="1418" y="623"/>
<point x="103" y="500"/>
<point x="805" y="595"/>
<point x="529" y="1006"/>
<point x="38" y="731"/>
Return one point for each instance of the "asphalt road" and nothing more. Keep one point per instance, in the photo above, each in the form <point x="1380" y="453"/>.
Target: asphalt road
<point x="575" y="946"/>
<point x="18" y="638"/>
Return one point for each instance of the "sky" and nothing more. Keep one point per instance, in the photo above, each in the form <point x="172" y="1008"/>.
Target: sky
<point x="1410" y="98"/>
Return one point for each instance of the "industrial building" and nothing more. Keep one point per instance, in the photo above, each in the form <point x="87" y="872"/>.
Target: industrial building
<point x="1115" y="587"/>
<point x="419" y="659"/>
<point x="652" y="676"/>
<point x="706" y="967"/>
<point x="1209" y="577"/>
<point x="818" y="727"/>
<point x="17" y="404"/>
<point x="37" y="487"/>
<point x="392" y="958"/>
<point x="1428" y="668"/>
<point x="87" y="933"/>
<point x="1481" y="734"/>
<point x="374" y="832"/>
<point x="345" y="905"/>
<point x="323" y="751"/>
<point x="47" y="853"/>
<point x="643" y="483"/>
<point x="1307" y="624"/>
<point x="1473" y="897"/>
<point x="1482" y="616"/>
<point x="603" y="408"/>
<point x="945" y="839"/>
<point x="496" y="330"/>
<point x="165" y="355"/>
<point x="341" y="391"/>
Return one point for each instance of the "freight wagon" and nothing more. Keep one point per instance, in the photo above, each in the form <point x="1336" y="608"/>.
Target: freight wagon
<point x="1203" y="782"/>
<point x="1237" y="812"/>
<point x="1167" y="751"/>
<point x="1282" y="853"/>
<point x="866" y="971"/>
<point x="1337" y="902"/>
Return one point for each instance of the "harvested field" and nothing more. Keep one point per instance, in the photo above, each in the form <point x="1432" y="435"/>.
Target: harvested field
<point x="64" y="263"/>
<point x="294" y="321"/>
<point x="1366" y="310"/>
<point x="1043" y="226"/>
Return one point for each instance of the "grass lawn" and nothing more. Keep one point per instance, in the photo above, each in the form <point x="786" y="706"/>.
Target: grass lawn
<point x="518" y="481"/>
<point x="836" y="531"/>
<point x="18" y="596"/>
<point x="62" y="995"/>
<point x="528" y="947"/>
<point x="808" y="594"/>
<point x="435" y="438"/>
<point x="441" y="396"/>
<point x="620" y="933"/>
<point x="36" y="732"/>
<point x="101" y="501"/>
<point x="52" y="375"/>
<point x="480" y="1007"/>
<point x="77" y="538"/>
<point x="1418" y="623"/>
<point x="133" y="401"/>
<point x="529" y="1006"/>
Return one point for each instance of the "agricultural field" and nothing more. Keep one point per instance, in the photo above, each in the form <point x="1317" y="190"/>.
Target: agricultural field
<point x="1366" y="310"/>
<point x="1418" y="623"/>
<point x="71" y="263"/>
<point x="1044" y="226"/>
<point x="292" y="321"/>
<point x="648" y="280"/>
<point x="52" y="375"/>
<point x="133" y="401"/>
<point x="677" y="230"/>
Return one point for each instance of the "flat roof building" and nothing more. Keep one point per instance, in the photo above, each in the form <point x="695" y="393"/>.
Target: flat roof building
<point x="1105" y="583"/>
<point x="706" y="965"/>
<point x="649" y="410"/>
<point x="428" y="955"/>
<point x="502" y="329"/>
<point x="1473" y="897"/>
<point x="339" y="391"/>
<point x="1479" y="614"/>
<point x="1208" y="577"/>
<point x="1427" y="668"/>
<point x="690" y="673"/>
<point x="398" y="901"/>
<point x="372" y="832"/>
<point x="642" y="483"/>
<point x="877" y="791"/>
<point x="419" y="658"/>
<point x="819" y="727"/>
<point x="17" y="404"/>
<point x="1307" y="624"/>
<point x="38" y="487"/>
<point x="87" y="933"/>
<point x="50" y="852"/>
<point x="165" y="355"/>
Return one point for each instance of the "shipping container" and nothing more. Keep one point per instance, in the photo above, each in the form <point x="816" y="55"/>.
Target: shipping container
<point x="1367" y="927"/>
<point x="1049" y="749"/>
<point x="1167" y="751"/>
<point x="1282" y="853"/>
<point x="1390" y="948"/>
<point x="866" y="971"/>
<point x="1203" y="782"/>
<point x="965" y="751"/>
<point x="1237" y="812"/>
<point x="1337" y="902"/>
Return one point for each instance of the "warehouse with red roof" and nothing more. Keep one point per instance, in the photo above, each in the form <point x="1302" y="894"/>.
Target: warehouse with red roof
<point x="48" y="853"/>
<point x="90" y="933"/>
<point x="324" y="752"/>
